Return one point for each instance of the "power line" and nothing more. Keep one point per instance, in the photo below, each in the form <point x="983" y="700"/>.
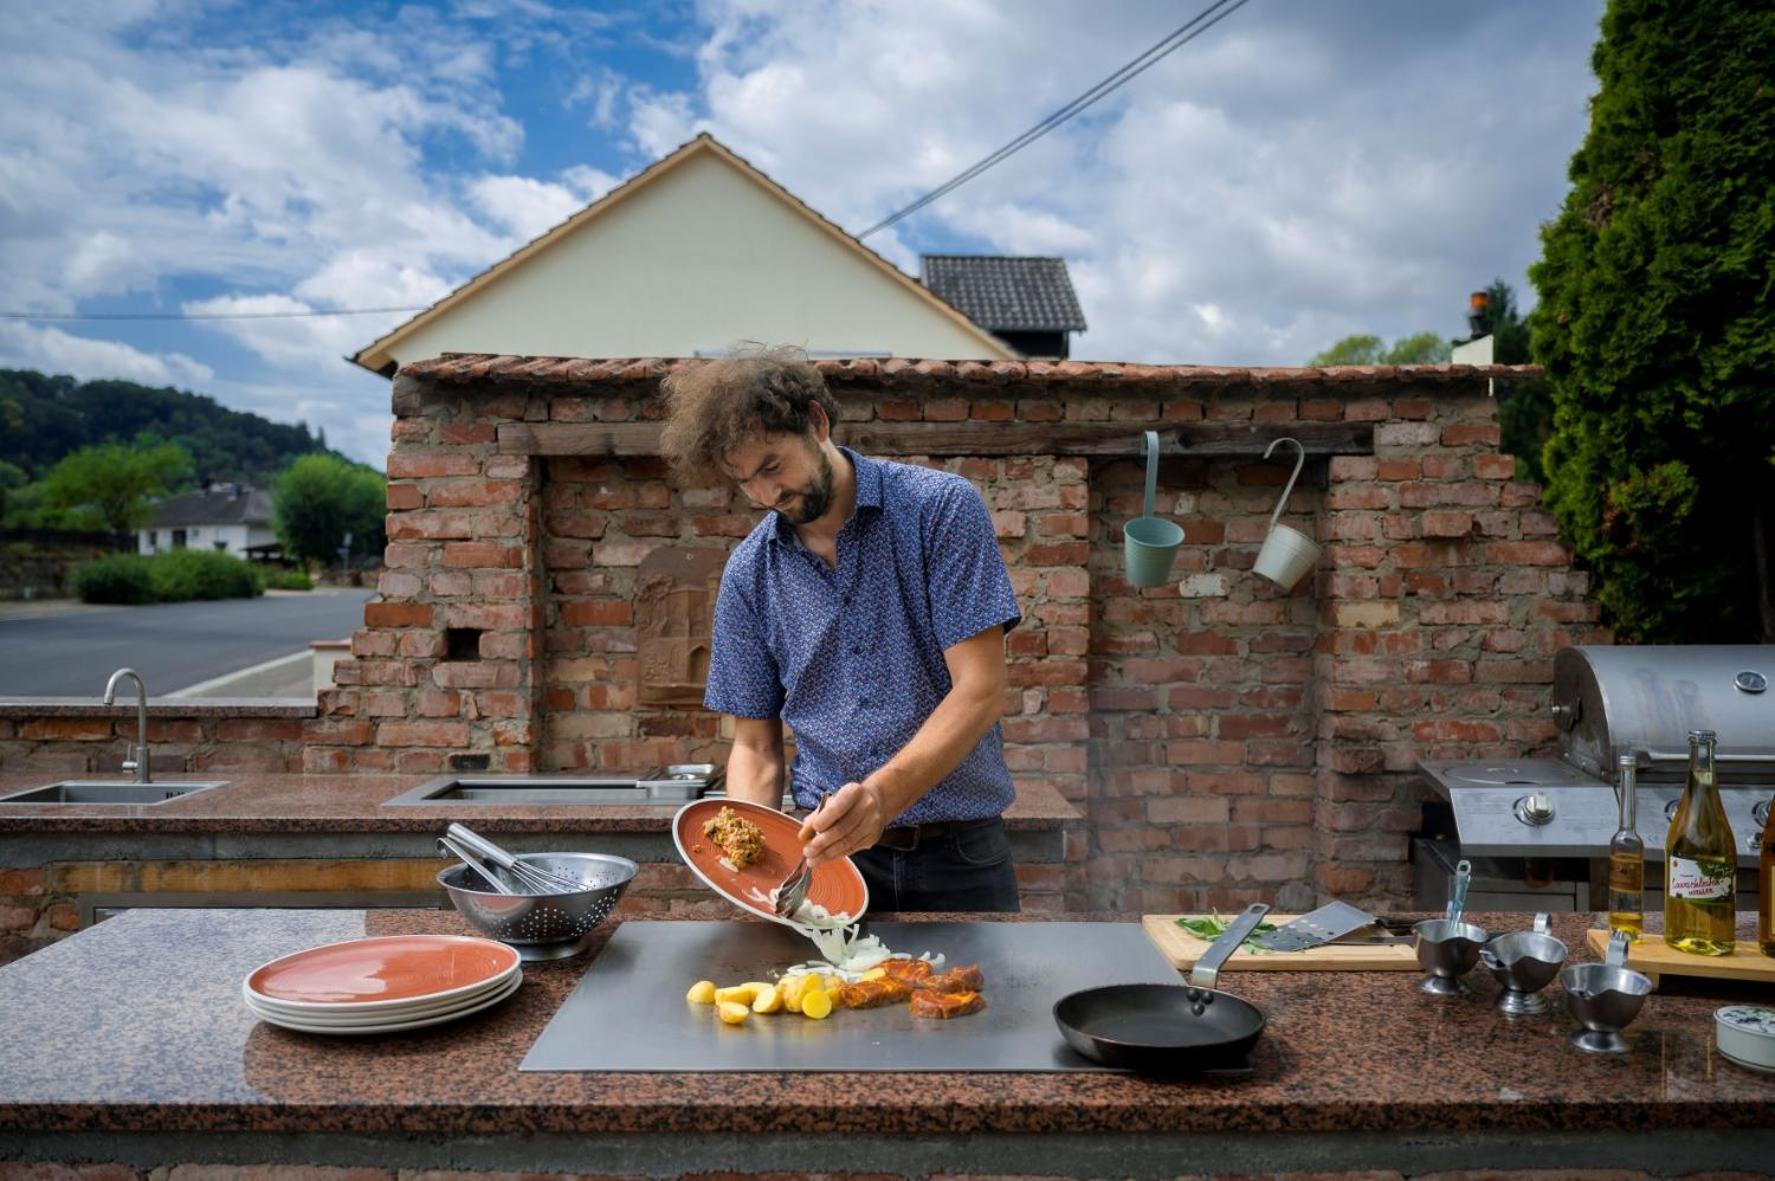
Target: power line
<point x="201" y="315"/>
<point x="1161" y="49"/>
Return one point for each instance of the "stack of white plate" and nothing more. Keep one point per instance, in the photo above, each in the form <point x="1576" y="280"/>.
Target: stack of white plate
<point x="386" y="984"/>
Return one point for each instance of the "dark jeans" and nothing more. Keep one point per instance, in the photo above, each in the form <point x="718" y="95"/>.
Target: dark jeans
<point x="969" y="869"/>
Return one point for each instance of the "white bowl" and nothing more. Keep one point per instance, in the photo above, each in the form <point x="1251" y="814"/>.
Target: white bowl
<point x="1746" y="1035"/>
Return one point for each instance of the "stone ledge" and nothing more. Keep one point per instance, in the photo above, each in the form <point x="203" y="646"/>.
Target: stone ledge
<point x="159" y="708"/>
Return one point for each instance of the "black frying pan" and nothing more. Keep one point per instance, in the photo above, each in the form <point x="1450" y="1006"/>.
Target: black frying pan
<point x="1168" y="1028"/>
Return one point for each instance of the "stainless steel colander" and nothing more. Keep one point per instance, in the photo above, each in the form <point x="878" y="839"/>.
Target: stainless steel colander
<point x="545" y="926"/>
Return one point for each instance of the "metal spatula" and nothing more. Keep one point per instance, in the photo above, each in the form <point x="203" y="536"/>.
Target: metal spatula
<point x="1314" y="928"/>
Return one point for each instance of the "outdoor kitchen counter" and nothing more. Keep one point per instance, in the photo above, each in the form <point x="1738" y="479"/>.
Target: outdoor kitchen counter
<point x="159" y="1061"/>
<point x="259" y="802"/>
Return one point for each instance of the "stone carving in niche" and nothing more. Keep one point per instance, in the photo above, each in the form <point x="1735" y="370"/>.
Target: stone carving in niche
<point x="675" y="621"/>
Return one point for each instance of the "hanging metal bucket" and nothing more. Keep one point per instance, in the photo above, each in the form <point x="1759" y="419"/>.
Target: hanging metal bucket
<point x="1287" y="553"/>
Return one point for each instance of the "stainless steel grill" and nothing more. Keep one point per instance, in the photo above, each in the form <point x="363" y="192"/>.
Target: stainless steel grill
<point x="1539" y="829"/>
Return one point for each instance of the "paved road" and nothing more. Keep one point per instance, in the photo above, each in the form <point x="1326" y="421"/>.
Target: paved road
<point x="173" y="645"/>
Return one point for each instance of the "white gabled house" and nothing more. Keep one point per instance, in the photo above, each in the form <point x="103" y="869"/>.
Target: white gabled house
<point x="233" y="518"/>
<point x="695" y="254"/>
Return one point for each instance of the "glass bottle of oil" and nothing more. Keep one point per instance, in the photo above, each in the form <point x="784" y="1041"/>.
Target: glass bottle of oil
<point x="1766" y="886"/>
<point x="1627" y="858"/>
<point x="1700" y="862"/>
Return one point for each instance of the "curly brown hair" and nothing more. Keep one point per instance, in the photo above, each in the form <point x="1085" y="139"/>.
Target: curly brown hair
<point x="717" y="406"/>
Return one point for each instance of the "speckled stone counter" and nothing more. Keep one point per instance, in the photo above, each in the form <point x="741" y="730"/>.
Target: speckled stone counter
<point x="130" y="1041"/>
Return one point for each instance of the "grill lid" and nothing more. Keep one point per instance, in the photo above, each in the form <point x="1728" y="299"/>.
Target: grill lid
<point x="1610" y="701"/>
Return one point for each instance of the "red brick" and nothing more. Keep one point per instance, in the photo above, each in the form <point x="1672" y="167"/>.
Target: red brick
<point x="605" y="613"/>
<point x="18" y="882"/>
<point x="1466" y="434"/>
<point x="465" y="434"/>
<point x="469" y="554"/>
<point x="382" y="613"/>
<point x="1447" y="523"/>
<point x="404" y="496"/>
<point x="1494" y="467"/>
<point x="453" y="734"/>
<point x="259" y="730"/>
<point x="17" y="918"/>
<point x="419" y="465"/>
<point x="65" y="729"/>
<point x="1527" y="553"/>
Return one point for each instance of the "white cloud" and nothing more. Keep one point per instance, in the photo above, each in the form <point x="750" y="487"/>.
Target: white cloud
<point x="28" y="346"/>
<point x="526" y="207"/>
<point x="1297" y="174"/>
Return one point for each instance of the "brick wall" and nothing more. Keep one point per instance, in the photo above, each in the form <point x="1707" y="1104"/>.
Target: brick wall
<point x="90" y="739"/>
<point x="1226" y="741"/>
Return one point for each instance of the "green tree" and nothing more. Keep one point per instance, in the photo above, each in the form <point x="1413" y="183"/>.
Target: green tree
<point x="1423" y="348"/>
<point x="113" y="486"/>
<point x="320" y="498"/>
<point x="1656" y="323"/>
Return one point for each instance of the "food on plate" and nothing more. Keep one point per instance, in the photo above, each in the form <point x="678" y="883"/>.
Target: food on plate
<point x="739" y="838"/>
<point x="732" y="1012"/>
<point x="701" y="993"/>
<point x="872" y="994"/>
<point x="968" y="979"/>
<point x="816" y="1003"/>
<point x="944" y="1005"/>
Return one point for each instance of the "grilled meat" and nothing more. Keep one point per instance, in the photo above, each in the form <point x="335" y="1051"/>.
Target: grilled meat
<point x="739" y="838"/>
<point x="945" y="1005"/>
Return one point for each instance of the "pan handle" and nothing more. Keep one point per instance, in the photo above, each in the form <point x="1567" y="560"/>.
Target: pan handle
<point x="1207" y="969"/>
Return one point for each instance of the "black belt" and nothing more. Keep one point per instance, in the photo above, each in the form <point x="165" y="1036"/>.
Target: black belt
<point x="908" y="837"/>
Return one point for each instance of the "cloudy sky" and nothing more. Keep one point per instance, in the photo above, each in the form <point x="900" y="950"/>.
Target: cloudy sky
<point x="1305" y="170"/>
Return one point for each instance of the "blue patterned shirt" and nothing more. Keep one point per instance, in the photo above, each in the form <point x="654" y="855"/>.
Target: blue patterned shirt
<point x="852" y="658"/>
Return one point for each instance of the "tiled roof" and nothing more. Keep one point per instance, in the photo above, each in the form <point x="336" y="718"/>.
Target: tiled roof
<point x="1005" y="293"/>
<point x="467" y="367"/>
<point x="252" y="506"/>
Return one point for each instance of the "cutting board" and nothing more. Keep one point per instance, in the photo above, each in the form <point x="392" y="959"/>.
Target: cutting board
<point x="1183" y="949"/>
<point x="1655" y="957"/>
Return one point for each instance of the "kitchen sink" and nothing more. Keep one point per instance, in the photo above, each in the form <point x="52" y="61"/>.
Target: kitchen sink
<point x="674" y="784"/>
<point x="105" y="791"/>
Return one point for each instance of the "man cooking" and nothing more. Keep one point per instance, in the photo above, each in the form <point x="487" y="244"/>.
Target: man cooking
<point x="868" y="612"/>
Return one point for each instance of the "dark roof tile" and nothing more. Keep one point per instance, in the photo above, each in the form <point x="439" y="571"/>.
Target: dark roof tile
<point x="1006" y="293"/>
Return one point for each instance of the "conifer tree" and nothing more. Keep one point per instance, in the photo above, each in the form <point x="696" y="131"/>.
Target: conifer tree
<point x="1656" y="323"/>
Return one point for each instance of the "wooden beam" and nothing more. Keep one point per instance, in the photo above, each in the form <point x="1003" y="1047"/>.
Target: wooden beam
<point x="1201" y="439"/>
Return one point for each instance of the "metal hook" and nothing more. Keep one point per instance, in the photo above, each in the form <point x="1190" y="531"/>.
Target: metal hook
<point x="1299" y="462"/>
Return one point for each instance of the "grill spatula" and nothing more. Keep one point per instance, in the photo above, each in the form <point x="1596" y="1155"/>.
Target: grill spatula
<point x="1317" y="927"/>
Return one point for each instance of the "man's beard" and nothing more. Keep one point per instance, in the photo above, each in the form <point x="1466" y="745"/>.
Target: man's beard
<point x="813" y="500"/>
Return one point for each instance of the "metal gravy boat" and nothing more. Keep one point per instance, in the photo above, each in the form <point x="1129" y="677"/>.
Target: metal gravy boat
<point x="1448" y="948"/>
<point x="1605" y="998"/>
<point x="1524" y="962"/>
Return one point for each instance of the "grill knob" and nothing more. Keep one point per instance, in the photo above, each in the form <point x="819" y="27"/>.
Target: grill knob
<point x="1534" y="810"/>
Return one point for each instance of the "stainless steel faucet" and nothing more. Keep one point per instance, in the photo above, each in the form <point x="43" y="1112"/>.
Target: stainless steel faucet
<point x="138" y="754"/>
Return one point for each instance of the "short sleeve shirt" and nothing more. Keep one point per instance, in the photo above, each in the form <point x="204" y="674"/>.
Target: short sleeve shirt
<point x="851" y="658"/>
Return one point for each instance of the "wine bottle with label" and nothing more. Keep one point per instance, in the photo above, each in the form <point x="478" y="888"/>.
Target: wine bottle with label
<point x="1700" y="862"/>
<point x="1627" y="857"/>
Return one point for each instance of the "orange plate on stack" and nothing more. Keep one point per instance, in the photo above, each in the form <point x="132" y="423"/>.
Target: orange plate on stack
<point x="837" y="885"/>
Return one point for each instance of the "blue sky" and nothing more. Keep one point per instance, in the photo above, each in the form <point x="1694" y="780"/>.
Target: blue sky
<point x="1305" y="170"/>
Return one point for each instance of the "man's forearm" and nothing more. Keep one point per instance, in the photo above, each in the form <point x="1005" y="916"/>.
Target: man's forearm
<point x="958" y="723"/>
<point x="755" y="776"/>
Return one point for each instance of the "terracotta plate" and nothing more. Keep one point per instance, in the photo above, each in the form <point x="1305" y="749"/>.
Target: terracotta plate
<point x="390" y="969"/>
<point x="837" y="885"/>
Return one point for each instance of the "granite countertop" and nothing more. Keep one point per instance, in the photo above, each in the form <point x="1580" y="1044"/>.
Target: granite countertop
<point x="160" y="1042"/>
<point x="258" y="802"/>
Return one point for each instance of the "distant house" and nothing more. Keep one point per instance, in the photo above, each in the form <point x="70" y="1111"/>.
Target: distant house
<point x="233" y="518"/>
<point x="695" y="254"/>
<point x="1026" y="301"/>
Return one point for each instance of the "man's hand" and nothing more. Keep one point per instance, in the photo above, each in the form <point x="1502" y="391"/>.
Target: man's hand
<point x="851" y="820"/>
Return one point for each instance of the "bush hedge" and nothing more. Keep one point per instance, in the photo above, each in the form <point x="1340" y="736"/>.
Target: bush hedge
<point x="121" y="578"/>
<point x="290" y="580"/>
<point x="176" y="576"/>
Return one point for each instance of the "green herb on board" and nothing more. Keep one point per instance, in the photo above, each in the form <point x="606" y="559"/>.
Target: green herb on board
<point x="1210" y="929"/>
